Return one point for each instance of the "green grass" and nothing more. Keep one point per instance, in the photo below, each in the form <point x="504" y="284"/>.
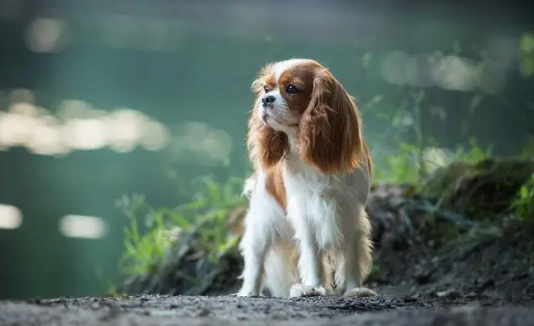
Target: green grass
<point x="523" y="204"/>
<point x="203" y="218"/>
<point x="201" y="224"/>
<point x="148" y="238"/>
<point x="411" y="164"/>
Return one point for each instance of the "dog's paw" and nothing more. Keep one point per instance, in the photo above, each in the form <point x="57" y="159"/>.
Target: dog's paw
<point x="360" y="292"/>
<point x="300" y="290"/>
<point x="247" y="293"/>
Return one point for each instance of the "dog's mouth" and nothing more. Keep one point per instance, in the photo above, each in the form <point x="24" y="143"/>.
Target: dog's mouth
<point x="266" y="116"/>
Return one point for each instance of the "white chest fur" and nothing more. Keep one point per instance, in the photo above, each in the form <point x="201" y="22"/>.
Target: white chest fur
<point x="323" y="205"/>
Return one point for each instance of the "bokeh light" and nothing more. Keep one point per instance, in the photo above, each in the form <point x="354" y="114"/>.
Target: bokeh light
<point x="434" y="157"/>
<point x="48" y="33"/>
<point x="10" y="217"/>
<point x="450" y="72"/>
<point x="85" y="134"/>
<point x="46" y="139"/>
<point x="21" y="95"/>
<point x="74" y="109"/>
<point x="455" y="73"/>
<point x="201" y="143"/>
<point x="155" y="136"/>
<point x="16" y="128"/>
<point x="79" y="226"/>
<point x="125" y="129"/>
<point x="76" y="126"/>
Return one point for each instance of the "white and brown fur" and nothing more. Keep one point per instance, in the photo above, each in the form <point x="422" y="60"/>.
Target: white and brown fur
<point x="306" y="229"/>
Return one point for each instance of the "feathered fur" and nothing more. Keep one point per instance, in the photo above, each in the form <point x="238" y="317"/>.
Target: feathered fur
<point x="306" y="229"/>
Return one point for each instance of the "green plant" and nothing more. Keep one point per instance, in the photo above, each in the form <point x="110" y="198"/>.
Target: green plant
<point x="528" y="148"/>
<point x="474" y="154"/>
<point x="106" y="283"/>
<point x="401" y="167"/>
<point x="410" y="164"/>
<point x="203" y="218"/>
<point x="210" y="209"/>
<point x="523" y="204"/>
<point x="376" y="272"/>
<point x="141" y="250"/>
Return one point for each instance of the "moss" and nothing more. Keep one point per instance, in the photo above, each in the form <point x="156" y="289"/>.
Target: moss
<point x="440" y="184"/>
<point x="479" y="190"/>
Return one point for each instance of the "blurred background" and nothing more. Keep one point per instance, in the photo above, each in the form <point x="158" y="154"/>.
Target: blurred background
<point x="104" y="98"/>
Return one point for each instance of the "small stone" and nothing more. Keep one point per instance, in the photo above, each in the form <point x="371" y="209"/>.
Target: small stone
<point x="410" y="299"/>
<point x="447" y="294"/>
<point x="34" y="301"/>
<point x="471" y="295"/>
<point x="423" y="276"/>
<point x="202" y="313"/>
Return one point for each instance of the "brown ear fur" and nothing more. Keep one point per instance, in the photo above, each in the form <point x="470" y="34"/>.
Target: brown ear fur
<point x="330" y="136"/>
<point x="265" y="145"/>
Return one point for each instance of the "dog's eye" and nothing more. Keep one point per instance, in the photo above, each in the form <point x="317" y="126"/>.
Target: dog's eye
<point x="266" y="89"/>
<point x="292" y="89"/>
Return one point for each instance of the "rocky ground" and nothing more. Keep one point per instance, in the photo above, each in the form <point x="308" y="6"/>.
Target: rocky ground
<point x="199" y="310"/>
<point x="442" y="266"/>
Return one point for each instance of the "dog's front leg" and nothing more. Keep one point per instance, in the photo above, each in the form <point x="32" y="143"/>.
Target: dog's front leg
<point x="254" y="246"/>
<point x="309" y="264"/>
<point x="257" y="240"/>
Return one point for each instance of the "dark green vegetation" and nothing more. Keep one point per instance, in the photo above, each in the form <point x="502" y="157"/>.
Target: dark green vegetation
<point x="185" y="249"/>
<point x="427" y="234"/>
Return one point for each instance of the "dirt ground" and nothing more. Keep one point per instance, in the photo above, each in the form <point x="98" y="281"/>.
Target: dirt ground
<point x="484" y="282"/>
<point x="227" y="310"/>
<point x="490" y="270"/>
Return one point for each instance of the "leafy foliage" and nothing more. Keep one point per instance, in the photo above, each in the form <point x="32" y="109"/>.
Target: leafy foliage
<point x="412" y="164"/>
<point x="147" y="245"/>
<point x="400" y="168"/>
<point x="523" y="204"/>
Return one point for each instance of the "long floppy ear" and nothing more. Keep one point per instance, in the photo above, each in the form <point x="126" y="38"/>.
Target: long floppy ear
<point x="266" y="146"/>
<point x="330" y="134"/>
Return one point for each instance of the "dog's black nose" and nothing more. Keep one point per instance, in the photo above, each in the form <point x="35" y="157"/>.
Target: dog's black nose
<point x="268" y="99"/>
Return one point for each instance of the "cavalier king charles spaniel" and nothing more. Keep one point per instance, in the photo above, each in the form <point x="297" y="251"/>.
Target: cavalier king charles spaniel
<point x="306" y="229"/>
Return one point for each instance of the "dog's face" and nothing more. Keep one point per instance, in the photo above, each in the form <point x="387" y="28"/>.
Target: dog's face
<point x="301" y="99"/>
<point x="284" y="91"/>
